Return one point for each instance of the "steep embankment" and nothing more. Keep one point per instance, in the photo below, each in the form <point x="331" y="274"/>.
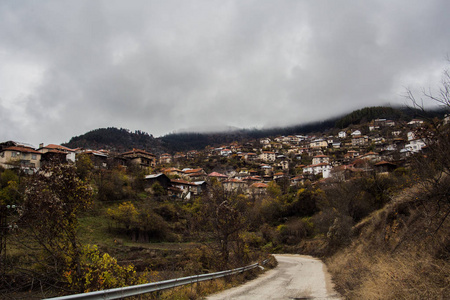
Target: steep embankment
<point x="401" y="251"/>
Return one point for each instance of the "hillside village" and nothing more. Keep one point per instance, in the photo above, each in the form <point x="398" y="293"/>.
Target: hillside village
<point x="347" y="195"/>
<point x="379" y="146"/>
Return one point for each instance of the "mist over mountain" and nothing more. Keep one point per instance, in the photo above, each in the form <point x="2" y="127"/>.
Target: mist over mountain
<point x="121" y="140"/>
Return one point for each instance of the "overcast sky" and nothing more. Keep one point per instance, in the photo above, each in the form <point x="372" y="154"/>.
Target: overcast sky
<point x="68" y="67"/>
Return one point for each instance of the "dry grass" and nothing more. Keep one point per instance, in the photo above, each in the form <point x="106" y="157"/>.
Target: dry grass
<point x="377" y="275"/>
<point x="406" y="276"/>
<point x="396" y="253"/>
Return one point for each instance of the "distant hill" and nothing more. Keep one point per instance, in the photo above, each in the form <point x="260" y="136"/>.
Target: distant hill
<point x="121" y="140"/>
<point x="115" y="139"/>
<point x="188" y="141"/>
<point x="367" y="114"/>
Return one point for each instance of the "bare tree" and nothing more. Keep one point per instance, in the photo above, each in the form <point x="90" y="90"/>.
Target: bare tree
<point x="433" y="166"/>
<point x="219" y="215"/>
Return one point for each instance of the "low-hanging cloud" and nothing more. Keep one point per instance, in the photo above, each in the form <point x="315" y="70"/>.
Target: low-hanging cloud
<point x="161" y="66"/>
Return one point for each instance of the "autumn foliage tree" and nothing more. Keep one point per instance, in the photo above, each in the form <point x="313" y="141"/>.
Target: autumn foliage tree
<point x="48" y="222"/>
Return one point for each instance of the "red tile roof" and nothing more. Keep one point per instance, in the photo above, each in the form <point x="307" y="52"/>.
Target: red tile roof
<point x="384" y="163"/>
<point x="21" y="149"/>
<point x="252" y="178"/>
<point x="56" y="151"/>
<point x="58" y="147"/>
<point x="180" y="181"/>
<point x="259" y="185"/>
<point x="216" y="174"/>
<point x="196" y="174"/>
<point x="137" y="151"/>
<point x="193" y="171"/>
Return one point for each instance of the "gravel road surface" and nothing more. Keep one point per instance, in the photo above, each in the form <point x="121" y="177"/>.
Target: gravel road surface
<point x="295" y="277"/>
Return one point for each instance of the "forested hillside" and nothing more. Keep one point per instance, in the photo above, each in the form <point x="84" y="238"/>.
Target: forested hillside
<point x="115" y="139"/>
<point x="123" y="139"/>
<point x="366" y="114"/>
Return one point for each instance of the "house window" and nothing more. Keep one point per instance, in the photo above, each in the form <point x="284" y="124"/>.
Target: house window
<point x="15" y="154"/>
<point x="33" y="156"/>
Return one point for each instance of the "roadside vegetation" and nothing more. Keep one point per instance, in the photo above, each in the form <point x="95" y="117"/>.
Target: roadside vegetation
<point x="68" y="242"/>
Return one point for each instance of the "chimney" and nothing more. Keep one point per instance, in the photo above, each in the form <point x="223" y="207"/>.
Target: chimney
<point x="41" y="145"/>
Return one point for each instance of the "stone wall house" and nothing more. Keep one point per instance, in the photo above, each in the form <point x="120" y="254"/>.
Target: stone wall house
<point x="140" y="157"/>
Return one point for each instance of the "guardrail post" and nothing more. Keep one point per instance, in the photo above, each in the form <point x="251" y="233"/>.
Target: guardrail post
<point x="197" y="286"/>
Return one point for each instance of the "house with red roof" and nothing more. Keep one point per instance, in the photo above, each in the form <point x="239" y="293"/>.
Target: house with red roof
<point x="225" y="152"/>
<point x="172" y="171"/>
<point x="278" y="175"/>
<point x="252" y="179"/>
<point x="297" y="180"/>
<point x="318" y="159"/>
<point x="322" y="168"/>
<point x="194" y="174"/>
<point x="258" y="188"/>
<point x="57" y="152"/>
<point x="218" y="176"/>
<point x="19" y="156"/>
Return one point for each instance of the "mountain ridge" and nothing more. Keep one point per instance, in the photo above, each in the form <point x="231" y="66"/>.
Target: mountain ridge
<point x="120" y="139"/>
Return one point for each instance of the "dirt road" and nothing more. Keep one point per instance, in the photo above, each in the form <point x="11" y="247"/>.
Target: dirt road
<point x="295" y="277"/>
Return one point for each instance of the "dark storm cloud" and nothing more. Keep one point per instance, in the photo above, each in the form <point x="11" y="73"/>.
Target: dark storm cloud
<point x="161" y="66"/>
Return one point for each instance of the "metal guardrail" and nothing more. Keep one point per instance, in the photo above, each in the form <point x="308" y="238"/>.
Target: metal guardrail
<point x="135" y="290"/>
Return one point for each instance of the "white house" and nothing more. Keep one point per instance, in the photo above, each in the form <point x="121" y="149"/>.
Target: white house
<point x="322" y="168"/>
<point x="264" y="141"/>
<point x="415" y="145"/>
<point x="356" y="133"/>
<point x="415" y="122"/>
<point x="225" y="152"/>
<point x="267" y="156"/>
<point x="411" y="136"/>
